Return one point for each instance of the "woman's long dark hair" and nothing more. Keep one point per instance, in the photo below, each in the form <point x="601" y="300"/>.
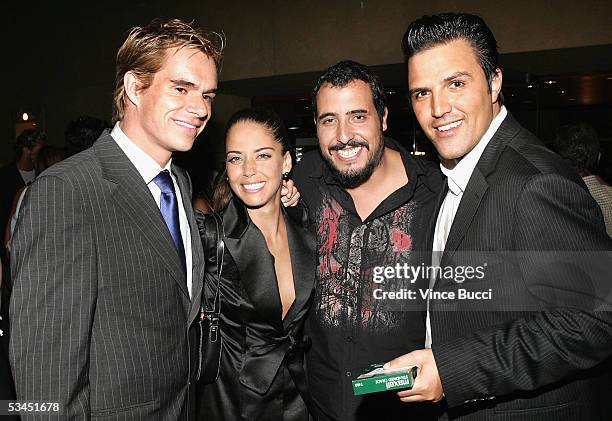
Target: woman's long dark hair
<point x="222" y="193"/>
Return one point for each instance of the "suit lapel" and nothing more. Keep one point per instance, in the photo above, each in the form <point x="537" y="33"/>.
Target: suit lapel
<point x="472" y="197"/>
<point x="197" y="252"/>
<point x="431" y="229"/>
<point x="133" y="198"/>
<point x="255" y="263"/>
<point x="478" y="185"/>
<point x="302" y="251"/>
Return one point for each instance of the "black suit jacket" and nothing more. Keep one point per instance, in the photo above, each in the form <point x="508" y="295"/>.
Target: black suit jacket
<point x="522" y="354"/>
<point x="100" y="311"/>
<point x="262" y="362"/>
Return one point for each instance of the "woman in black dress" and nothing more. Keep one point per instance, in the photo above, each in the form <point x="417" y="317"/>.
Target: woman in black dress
<point x="266" y="284"/>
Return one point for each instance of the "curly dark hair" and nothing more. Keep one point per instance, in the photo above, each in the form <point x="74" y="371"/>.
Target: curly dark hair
<point x="342" y="73"/>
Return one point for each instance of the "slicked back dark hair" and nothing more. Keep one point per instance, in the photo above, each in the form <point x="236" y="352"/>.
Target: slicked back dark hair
<point x="341" y="74"/>
<point x="268" y="119"/>
<point x="431" y="31"/>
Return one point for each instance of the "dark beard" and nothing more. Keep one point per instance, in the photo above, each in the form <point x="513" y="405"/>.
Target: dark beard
<point x="354" y="178"/>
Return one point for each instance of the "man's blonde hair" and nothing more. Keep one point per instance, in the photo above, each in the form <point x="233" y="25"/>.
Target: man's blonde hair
<point x="144" y="51"/>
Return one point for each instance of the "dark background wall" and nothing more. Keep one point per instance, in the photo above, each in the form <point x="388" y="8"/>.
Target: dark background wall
<point x="60" y="55"/>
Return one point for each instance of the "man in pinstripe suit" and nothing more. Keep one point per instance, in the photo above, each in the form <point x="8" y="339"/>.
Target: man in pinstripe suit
<point x="107" y="260"/>
<point x="516" y="207"/>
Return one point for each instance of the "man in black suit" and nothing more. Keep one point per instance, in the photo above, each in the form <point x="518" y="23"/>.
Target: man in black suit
<point x="107" y="259"/>
<point x="512" y="209"/>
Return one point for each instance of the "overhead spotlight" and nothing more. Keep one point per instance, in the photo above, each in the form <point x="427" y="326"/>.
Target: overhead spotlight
<point x="529" y="86"/>
<point x="562" y="91"/>
<point x="550" y="82"/>
<point x="25" y="117"/>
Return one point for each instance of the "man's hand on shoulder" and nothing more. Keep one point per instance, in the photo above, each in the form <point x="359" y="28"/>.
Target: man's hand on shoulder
<point x="427" y="385"/>
<point x="290" y="195"/>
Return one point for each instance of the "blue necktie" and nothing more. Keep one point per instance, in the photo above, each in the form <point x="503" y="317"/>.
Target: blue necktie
<point x="169" y="210"/>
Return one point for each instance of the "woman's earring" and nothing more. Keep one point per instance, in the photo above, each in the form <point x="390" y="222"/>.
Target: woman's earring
<point x="286" y="176"/>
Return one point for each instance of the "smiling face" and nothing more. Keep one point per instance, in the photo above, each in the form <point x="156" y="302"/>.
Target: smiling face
<point x="451" y="98"/>
<point x="350" y="131"/>
<point x="255" y="164"/>
<point x="169" y="114"/>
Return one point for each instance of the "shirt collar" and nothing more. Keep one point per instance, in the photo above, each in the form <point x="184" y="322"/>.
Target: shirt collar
<point x="146" y="166"/>
<point x="459" y="176"/>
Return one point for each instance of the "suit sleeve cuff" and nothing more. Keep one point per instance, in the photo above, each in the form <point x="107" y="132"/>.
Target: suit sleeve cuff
<point x="458" y="368"/>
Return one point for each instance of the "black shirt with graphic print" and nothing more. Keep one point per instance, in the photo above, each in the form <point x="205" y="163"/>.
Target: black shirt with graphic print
<point x="351" y="324"/>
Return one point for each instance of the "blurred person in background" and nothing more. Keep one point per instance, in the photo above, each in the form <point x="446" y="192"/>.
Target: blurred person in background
<point x="18" y="174"/>
<point x="13" y="178"/>
<point x="47" y="156"/>
<point x="82" y="132"/>
<point x="579" y="143"/>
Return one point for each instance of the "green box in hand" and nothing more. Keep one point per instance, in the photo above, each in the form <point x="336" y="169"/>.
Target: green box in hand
<point x="376" y="379"/>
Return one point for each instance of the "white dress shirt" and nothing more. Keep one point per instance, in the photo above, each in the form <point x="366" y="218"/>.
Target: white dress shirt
<point x="457" y="179"/>
<point x="27" y="176"/>
<point x="149" y="169"/>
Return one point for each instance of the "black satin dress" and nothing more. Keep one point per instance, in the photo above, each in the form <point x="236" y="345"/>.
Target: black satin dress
<point x="261" y="374"/>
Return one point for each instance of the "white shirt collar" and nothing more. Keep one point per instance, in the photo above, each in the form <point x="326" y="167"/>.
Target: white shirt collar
<point x="459" y="176"/>
<point x="146" y="166"/>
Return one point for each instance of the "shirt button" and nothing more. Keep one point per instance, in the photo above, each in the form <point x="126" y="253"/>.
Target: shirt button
<point x="348" y="374"/>
<point x="349" y="339"/>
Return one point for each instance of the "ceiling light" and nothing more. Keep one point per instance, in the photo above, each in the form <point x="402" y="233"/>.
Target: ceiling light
<point x="550" y="82"/>
<point x="25" y="117"/>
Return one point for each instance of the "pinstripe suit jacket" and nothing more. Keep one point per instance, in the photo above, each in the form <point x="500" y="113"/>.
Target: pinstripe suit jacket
<point x="522" y="356"/>
<point x="100" y="308"/>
